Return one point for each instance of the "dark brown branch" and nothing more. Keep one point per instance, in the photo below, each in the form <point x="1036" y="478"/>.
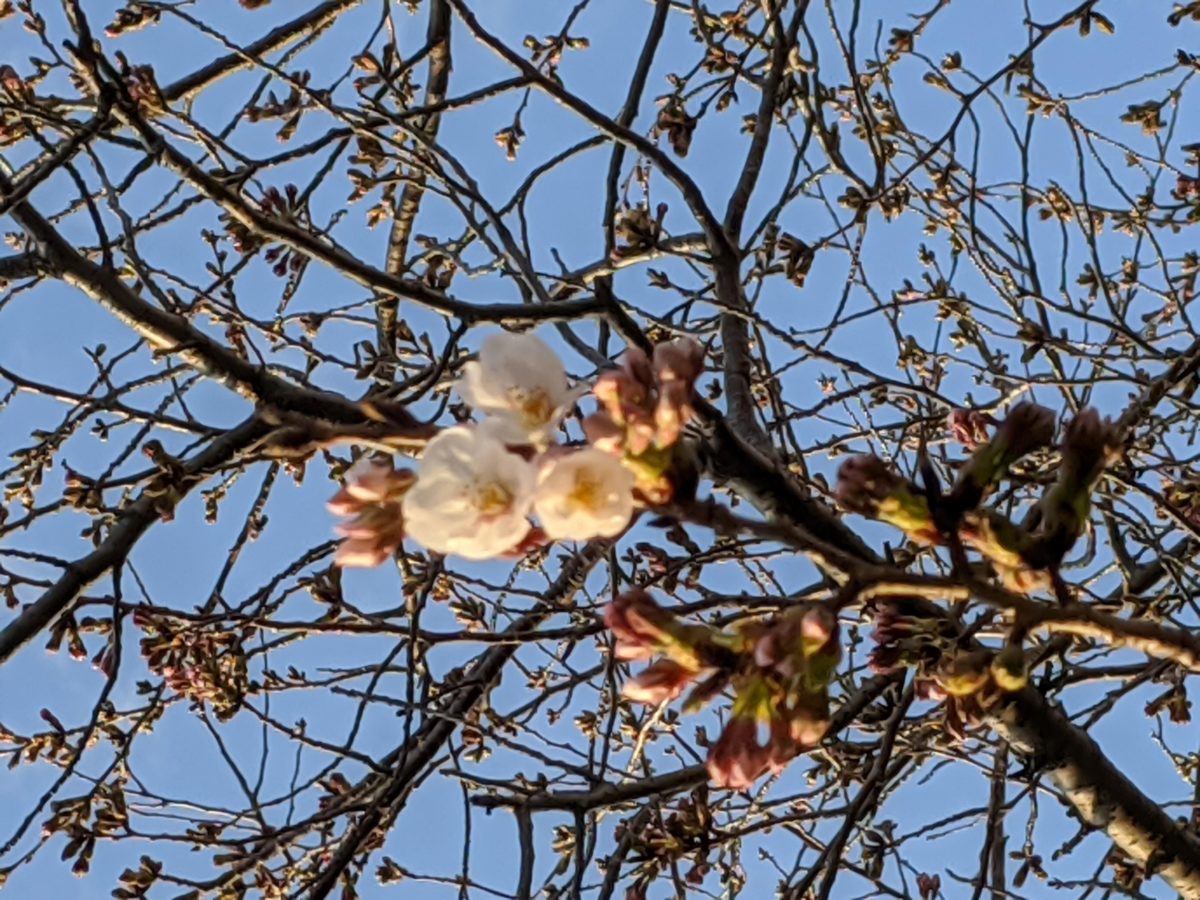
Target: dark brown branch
<point x="609" y="794"/>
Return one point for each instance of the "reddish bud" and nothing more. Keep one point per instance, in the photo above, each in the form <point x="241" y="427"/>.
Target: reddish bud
<point x="737" y="760"/>
<point x="661" y="682"/>
<point x="638" y="623"/>
<point x="371" y="498"/>
<point x="969" y="427"/>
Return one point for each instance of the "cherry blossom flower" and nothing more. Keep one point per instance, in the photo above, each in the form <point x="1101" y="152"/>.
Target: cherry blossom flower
<point x="521" y="384"/>
<point x="472" y="495"/>
<point x="372" y="496"/>
<point x="584" y="494"/>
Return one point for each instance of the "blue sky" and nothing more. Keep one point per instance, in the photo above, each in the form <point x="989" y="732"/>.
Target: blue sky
<point x="41" y="334"/>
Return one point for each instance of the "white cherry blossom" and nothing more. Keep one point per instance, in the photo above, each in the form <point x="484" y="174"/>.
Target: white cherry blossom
<point x="584" y="494"/>
<point x="472" y="496"/>
<point x="520" y="383"/>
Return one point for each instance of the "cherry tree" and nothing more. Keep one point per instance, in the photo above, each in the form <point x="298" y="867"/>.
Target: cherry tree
<point x="640" y="448"/>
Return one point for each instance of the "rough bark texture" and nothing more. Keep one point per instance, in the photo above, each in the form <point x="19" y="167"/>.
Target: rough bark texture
<point x="1100" y="793"/>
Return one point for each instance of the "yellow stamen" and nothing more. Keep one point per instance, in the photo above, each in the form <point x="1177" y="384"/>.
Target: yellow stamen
<point x="587" y="493"/>
<point x="491" y="498"/>
<point x="534" y="405"/>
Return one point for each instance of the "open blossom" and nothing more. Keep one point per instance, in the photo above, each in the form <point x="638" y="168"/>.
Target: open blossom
<point x="472" y="495"/>
<point x="584" y="494"/>
<point x="372" y="498"/>
<point x="520" y="383"/>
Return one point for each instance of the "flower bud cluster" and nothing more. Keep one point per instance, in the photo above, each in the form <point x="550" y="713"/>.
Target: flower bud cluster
<point x="1022" y="556"/>
<point x="970" y="682"/>
<point x="779" y="673"/>
<point x="868" y="486"/>
<point x="371" y="499"/>
<point x="910" y="633"/>
<point x="644" y="406"/>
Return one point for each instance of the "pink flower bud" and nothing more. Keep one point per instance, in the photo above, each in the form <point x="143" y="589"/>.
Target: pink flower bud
<point x="360" y="553"/>
<point x="968" y="427"/>
<point x="808" y="720"/>
<point x="737" y="760"/>
<point x="603" y="433"/>
<point x="638" y="623"/>
<point x="673" y="411"/>
<point x="371" y="498"/>
<point x="1026" y="428"/>
<point x="680" y="360"/>
<point x="818" y="627"/>
<point x="663" y="681"/>
<point x="638" y="367"/>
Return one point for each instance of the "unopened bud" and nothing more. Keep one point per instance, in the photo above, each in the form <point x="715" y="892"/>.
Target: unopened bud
<point x="1025" y="429"/>
<point x="1009" y="670"/>
<point x="963" y="674"/>
<point x="663" y="681"/>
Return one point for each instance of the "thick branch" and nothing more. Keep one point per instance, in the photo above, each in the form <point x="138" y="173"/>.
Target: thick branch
<point x="1098" y="791"/>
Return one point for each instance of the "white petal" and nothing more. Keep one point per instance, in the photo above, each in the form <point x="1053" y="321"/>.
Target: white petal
<point x="452" y="452"/>
<point x="525" y="360"/>
<point x="505" y="427"/>
<point x="440" y="511"/>
<point x="491" y="539"/>
<point x="561" y="514"/>
<point x="480" y="391"/>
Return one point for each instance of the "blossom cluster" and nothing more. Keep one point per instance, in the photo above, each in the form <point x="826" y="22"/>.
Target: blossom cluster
<point x="478" y="486"/>
<point x="779" y="672"/>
